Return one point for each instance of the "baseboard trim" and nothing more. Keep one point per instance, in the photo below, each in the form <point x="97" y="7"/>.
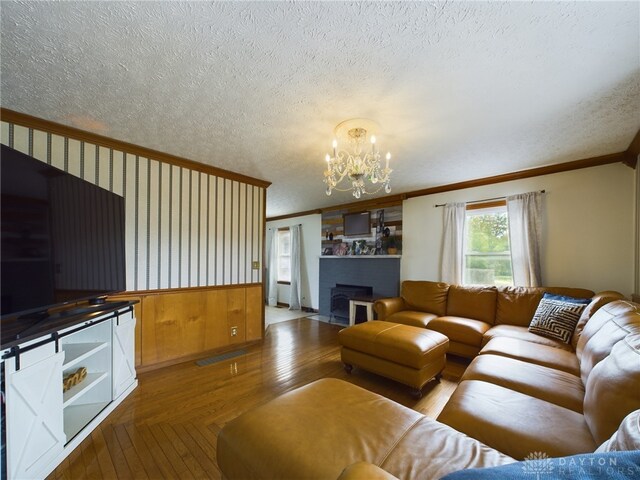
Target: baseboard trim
<point x="195" y="356"/>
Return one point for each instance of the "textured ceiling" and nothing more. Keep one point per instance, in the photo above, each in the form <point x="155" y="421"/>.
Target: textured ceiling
<point x="461" y="90"/>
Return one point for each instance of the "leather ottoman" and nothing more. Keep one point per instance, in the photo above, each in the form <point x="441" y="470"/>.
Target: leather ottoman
<point x="410" y="355"/>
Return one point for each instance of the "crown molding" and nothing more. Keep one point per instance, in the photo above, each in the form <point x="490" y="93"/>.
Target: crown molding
<point x="618" y="157"/>
<point x="36" y="123"/>
<point x="633" y="151"/>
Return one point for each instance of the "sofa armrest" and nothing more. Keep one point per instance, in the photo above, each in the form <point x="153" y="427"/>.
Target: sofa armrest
<point x="365" y="471"/>
<point x="388" y="306"/>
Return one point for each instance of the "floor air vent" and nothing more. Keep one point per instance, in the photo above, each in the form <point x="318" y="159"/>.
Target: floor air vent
<point x="218" y="358"/>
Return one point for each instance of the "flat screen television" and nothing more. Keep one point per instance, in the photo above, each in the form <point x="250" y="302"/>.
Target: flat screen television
<point x="62" y="238"/>
<point x="356" y="224"/>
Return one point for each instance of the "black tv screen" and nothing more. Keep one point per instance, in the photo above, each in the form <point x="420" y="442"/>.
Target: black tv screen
<point x="62" y="237"/>
<point x="357" y="224"/>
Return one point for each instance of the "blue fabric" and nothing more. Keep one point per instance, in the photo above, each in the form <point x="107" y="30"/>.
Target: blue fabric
<point x="564" y="298"/>
<point x="589" y="466"/>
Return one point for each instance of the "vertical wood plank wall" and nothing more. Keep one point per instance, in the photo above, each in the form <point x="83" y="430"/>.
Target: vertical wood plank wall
<point x="191" y="238"/>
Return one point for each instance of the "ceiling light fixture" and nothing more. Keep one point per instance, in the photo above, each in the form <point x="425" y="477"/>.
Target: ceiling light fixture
<point x="354" y="165"/>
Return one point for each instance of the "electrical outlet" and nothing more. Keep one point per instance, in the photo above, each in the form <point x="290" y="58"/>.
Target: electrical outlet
<point x="255" y="265"/>
<point x="234" y="331"/>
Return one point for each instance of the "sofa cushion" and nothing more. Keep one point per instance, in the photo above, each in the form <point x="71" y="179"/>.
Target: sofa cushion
<point x="462" y="330"/>
<point x="516" y="305"/>
<point x="533" y="353"/>
<point x="555" y="386"/>
<point x="522" y="333"/>
<point x="425" y="296"/>
<point x="410" y="317"/>
<point x="613" y="388"/>
<point x="598" y="301"/>
<point x="601" y="317"/>
<point x="556" y="318"/>
<point x="356" y="425"/>
<point x="431" y="449"/>
<point x="514" y="423"/>
<point x="477" y="302"/>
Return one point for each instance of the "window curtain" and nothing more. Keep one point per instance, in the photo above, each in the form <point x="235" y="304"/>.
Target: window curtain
<point x="525" y="234"/>
<point x="272" y="269"/>
<point x="452" y="265"/>
<point x="294" y="290"/>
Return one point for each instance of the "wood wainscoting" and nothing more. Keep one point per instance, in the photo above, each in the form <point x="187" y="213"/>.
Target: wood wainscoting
<point x="174" y="326"/>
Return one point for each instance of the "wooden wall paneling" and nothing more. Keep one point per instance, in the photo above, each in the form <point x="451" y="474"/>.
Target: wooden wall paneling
<point x="174" y="326"/>
<point x="216" y="328"/>
<point x="181" y="325"/>
<point x="254" y="313"/>
<point x="236" y="314"/>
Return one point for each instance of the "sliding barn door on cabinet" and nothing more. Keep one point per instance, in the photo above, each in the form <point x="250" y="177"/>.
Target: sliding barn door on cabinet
<point x="124" y="368"/>
<point x="35" y="432"/>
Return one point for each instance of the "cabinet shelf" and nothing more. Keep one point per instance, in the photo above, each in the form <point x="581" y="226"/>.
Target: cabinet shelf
<point x="75" y="353"/>
<point x="77" y="391"/>
<point x="77" y="416"/>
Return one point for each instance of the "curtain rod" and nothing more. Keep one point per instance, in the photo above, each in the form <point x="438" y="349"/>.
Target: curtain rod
<point x="483" y="200"/>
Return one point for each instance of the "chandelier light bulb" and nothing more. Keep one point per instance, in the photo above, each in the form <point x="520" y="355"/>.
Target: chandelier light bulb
<point x="327" y="158"/>
<point x="335" y="143"/>
<point x="388" y="156"/>
<point x="373" y="139"/>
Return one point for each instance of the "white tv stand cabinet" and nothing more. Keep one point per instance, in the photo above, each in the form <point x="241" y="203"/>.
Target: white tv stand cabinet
<point x="43" y="424"/>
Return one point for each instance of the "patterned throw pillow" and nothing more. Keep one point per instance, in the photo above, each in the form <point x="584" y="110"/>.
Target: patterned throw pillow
<point x="556" y="319"/>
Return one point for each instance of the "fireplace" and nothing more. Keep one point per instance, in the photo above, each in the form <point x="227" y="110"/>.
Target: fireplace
<point x="340" y="296"/>
<point x="381" y="273"/>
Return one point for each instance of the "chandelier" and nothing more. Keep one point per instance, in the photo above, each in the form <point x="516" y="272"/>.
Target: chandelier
<point x="356" y="166"/>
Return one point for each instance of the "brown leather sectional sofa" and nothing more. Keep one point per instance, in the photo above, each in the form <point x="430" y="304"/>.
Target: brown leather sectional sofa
<point x="522" y="394"/>
<point x="521" y="397"/>
<point x="470" y="316"/>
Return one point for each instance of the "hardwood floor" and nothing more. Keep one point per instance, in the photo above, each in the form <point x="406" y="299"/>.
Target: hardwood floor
<point x="167" y="428"/>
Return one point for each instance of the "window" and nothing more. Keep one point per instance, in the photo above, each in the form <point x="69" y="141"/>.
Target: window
<point x="284" y="255"/>
<point x="487" y="255"/>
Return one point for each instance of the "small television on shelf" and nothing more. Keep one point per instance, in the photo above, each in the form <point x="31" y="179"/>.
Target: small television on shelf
<point x="62" y="239"/>
<point x="355" y="224"/>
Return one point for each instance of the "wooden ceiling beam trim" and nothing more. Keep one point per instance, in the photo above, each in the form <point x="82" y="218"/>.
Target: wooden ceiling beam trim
<point x="36" y="123"/>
